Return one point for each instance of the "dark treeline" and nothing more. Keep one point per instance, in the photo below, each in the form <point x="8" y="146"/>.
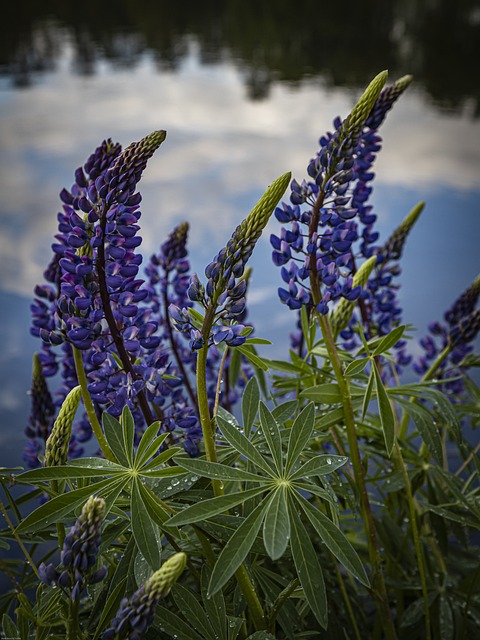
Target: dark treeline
<point x="340" y="43"/>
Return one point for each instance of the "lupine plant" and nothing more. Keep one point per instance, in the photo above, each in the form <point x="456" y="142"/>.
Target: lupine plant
<point x="333" y="494"/>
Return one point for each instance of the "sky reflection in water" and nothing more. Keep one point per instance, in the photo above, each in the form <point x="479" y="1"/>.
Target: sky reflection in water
<point x="221" y="151"/>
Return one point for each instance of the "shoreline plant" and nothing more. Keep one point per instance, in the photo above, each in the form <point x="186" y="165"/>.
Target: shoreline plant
<point x="234" y="496"/>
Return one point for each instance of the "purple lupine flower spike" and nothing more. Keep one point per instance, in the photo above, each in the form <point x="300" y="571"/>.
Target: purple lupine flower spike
<point x="43" y="408"/>
<point x="137" y="613"/>
<point x="80" y="552"/>
<point x="462" y="325"/>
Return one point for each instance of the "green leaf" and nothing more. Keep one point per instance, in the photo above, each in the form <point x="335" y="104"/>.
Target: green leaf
<point x="236" y="549"/>
<point x="175" y="626"/>
<point x="161" y="458"/>
<point x="164" y="472"/>
<point x="427" y="428"/>
<point x="325" y="393"/>
<point x="271" y="433"/>
<point x="234" y="368"/>
<point x="143" y="529"/>
<point x="356" y="367"/>
<point x="128" y="433"/>
<point x="244" y="446"/>
<point x="214" y="605"/>
<point x="385" y="411"/>
<point x="143" y="449"/>
<point x="253" y="357"/>
<point x="308" y="568"/>
<point x="319" y="466"/>
<point x="276" y="526"/>
<point x="216" y="471"/>
<point x="368" y="393"/>
<point x="300" y="434"/>
<point x="9" y="628"/>
<point x="196" y="317"/>
<point x="213" y="506"/>
<point x="287" y="367"/>
<point x="445" y="618"/>
<point x="188" y="604"/>
<point x="250" y="402"/>
<point x="61" y="506"/>
<point x="257" y="341"/>
<point x="335" y="540"/>
<point x="111" y="606"/>
<point x="155" y="510"/>
<point x="262" y="635"/>
<point x="113" y="433"/>
<point x="389" y="341"/>
<point x="85" y="468"/>
<point x="284" y="411"/>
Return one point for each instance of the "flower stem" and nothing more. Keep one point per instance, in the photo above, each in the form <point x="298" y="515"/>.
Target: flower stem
<point x="241" y="573"/>
<point x="90" y="409"/>
<point x="416" y="536"/>
<point x="19" y="540"/>
<point x="379" y="588"/>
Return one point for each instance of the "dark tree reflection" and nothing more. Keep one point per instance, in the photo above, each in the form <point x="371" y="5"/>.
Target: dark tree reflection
<point x="282" y="41"/>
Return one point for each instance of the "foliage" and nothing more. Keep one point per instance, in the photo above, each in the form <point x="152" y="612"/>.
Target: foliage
<point x="335" y="500"/>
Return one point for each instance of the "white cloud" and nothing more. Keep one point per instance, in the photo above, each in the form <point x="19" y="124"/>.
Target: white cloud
<point x="221" y="151"/>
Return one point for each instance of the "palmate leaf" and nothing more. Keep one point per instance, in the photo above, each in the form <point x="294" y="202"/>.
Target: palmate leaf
<point x="160" y="458"/>
<point x="243" y="445"/>
<point x="334" y="540"/>
<point x="143" y="528"/>
<point x="62" y="506"/>
<point x="213" y="506"/>
<point x="308" y="568"/>
<point x="300" y="434"/>
<point x="236" y="549"/>
<point x="217" y="471"/>
<point x="276" y="526"/>
<point x="319" y="466"/>
<point x="271" y="433"/>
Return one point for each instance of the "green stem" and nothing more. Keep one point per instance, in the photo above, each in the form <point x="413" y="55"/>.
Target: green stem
<point x="90" y="409"/>
<point x="250" y="595"/>
<point x="279" y="602"/>
<point x="72" y="624"/>
<point x="416" y="537"/>
<point x="346" y="599"/>
<point x="18" y="539"/>
<point x="379" y="587"/>
<point x="241" y="574"/>
<point x="60" y="525"/>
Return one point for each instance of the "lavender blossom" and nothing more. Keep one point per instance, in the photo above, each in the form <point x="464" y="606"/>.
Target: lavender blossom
<point x="137" y="613"/>
<point x="79" y="553"/>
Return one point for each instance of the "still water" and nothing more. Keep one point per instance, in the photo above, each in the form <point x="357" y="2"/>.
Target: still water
<point x="244" y="93"/>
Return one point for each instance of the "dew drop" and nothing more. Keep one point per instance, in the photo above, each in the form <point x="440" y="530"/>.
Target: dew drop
<point x="329" y="461"/>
